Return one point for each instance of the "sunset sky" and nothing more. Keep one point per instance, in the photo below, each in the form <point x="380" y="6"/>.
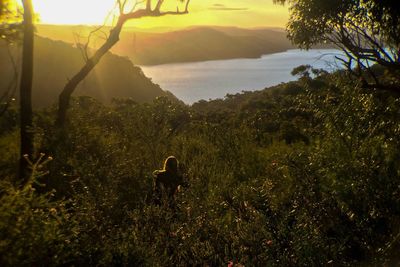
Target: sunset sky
<point x="241" y="13"/>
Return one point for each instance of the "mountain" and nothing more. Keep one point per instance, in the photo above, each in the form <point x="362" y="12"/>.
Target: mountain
<point x="201" y="44"/>
<point x="187" y="45"/>
<point x="56" y="61"/>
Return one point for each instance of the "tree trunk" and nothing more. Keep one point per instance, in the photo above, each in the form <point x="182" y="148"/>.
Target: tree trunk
<point x="26" y="92"/>
<point x="70" y="87"/>
<point x="64" y="98"/>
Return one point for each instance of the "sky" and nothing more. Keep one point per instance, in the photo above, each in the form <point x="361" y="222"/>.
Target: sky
<point x="240" y="13"/>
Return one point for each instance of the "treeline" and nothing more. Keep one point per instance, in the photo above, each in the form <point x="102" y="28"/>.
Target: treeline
<point x="306" y="173"/>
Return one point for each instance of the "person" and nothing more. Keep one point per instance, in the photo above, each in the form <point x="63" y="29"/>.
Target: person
<point x="167" y="182"/>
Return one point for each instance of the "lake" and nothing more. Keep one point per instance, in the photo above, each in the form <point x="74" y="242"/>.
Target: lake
<point x="192" y="82"/>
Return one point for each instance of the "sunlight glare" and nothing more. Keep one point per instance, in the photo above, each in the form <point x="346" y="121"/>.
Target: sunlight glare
<point x="73" y="11"/>
<point x="243" y="13"/>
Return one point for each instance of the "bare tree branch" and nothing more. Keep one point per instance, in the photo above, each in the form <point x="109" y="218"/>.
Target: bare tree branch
<point x="112" y="39"/>
<point x="158" y="5"/>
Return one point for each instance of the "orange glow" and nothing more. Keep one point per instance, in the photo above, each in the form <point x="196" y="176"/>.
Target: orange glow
<point x="241" y="13"/>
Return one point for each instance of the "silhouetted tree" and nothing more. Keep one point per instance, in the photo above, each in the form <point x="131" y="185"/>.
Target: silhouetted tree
<point x="112" y="39"/>
<point x="368" y="31"/>
<point x="26" y="89"/>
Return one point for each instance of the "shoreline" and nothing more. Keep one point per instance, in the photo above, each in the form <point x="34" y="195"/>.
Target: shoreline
<point x="226" y="59"/>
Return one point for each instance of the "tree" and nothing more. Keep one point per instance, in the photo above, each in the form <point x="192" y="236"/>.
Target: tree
<point x="26" y="149"/>
<point x="367" y="31"/>
<point x="14" y="28"/>
<point x="112" y="39"/>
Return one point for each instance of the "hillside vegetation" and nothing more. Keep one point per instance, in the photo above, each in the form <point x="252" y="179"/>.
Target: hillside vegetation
<point x="306" y="173"/>
<point x="187" y="45"/>
<point x="56" y="62"/>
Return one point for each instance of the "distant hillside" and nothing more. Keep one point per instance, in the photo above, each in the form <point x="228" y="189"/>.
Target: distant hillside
<point x="56" y="62"/>
<point x="188" y="45"/>
<point x="202" y="43"/>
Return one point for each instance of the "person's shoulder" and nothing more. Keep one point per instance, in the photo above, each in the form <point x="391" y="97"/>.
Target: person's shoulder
<point x="160" y="174"/>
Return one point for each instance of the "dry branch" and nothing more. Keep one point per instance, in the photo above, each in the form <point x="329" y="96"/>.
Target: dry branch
<point x="112" y="39"/>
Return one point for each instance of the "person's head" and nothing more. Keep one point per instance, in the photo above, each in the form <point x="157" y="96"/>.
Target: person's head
<point x="171" y="164"/>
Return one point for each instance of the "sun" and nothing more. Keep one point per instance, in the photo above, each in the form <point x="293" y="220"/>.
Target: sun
<point x="90" y="12"/>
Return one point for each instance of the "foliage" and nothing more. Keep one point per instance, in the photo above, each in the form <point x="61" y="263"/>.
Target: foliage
<point x="34" y="229"/>
<point x="367" y="31"/>
<point x="10" y="21"/>
<point x="303" y="174"/>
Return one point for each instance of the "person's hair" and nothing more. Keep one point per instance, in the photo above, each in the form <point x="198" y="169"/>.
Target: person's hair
<point x="171" y="164"/>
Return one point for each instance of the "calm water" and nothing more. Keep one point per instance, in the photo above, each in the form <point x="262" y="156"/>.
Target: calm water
<point x="191" y="82"/>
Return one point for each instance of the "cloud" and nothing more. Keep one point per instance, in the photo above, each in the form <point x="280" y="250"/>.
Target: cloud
<point x="221" y="7"/>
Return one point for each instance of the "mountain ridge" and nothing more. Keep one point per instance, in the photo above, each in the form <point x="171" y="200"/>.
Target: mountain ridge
<point x="192" y="44"/>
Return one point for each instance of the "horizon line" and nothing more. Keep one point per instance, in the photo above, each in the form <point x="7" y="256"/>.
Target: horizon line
<point x="166" y="27"/>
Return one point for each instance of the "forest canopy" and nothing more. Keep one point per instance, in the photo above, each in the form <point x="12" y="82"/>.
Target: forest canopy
<point x="367" y="31"/>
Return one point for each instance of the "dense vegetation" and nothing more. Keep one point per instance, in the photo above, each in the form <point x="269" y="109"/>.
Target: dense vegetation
<point x="367" y="31"/>
<point x="303" y="174"/>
